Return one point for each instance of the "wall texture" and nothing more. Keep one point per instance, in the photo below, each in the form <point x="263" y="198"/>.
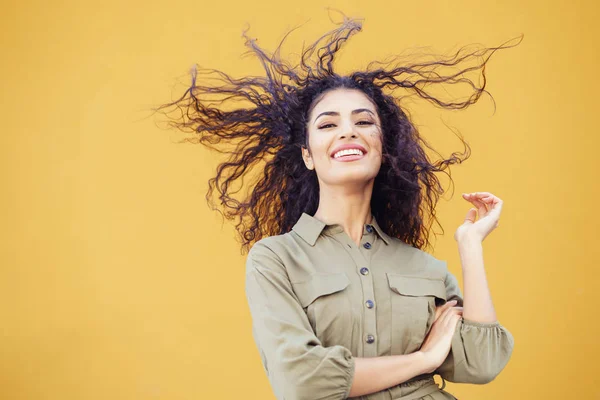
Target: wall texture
<point x="118" y="282"/>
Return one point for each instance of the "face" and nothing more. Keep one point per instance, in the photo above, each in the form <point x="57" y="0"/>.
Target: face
<point x="346" y="120"/>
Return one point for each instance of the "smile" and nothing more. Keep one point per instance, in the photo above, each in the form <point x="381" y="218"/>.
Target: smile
<point x="348" y="155"/>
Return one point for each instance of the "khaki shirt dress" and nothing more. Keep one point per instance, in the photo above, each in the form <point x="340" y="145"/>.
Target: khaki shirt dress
<point x="317" y="300"/>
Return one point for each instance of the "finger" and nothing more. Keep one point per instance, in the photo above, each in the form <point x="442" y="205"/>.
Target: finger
<point x="458" y="318"/>
<point x="494" y="202"/>
<point x="471" y="215"/>
<point x="490" y="199"/>
<point x="497" y="205"/>
<point x="450" y="315"/>
<point x="485" y="195"/>
<point x="446" y="315"/>
<point x="452" y="322"/>
<point x="449" y="303"/>
<point x="477" y="202"/>
<point x="482" y="207"/>
<point x="444" y="306"/>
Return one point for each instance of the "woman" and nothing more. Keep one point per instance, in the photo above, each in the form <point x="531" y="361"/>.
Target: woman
<point x="344" y="300"/>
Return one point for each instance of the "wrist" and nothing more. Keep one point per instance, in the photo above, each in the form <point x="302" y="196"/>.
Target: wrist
<point x="468" y="242"/>
<point x="425" y="366"/>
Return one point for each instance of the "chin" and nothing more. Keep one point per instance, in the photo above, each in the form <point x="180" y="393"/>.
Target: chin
<point x="352" y="178"/>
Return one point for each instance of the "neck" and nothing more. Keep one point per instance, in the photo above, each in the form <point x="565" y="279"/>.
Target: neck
<point x="348" y="205"/>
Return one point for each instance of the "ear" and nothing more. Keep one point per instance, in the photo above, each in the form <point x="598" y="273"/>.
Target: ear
<point x="307" y="158"/>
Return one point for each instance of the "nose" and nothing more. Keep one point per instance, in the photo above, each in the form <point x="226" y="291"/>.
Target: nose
<point x="348" y="131"/>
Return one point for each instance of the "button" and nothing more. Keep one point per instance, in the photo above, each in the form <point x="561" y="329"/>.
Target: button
<point x="370" y="228"/>
<point x="364" y="271"/>
<point x="370" y="303"/>
<point x="367" y="245"/>
<point x="370" y="339"/>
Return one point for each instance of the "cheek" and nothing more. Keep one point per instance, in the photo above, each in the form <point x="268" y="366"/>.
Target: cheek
<point x="319" y="150"/>
<point x="375" y="143"/>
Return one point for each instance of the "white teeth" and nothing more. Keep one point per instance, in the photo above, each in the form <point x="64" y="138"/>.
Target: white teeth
<point x="347" y="152"/>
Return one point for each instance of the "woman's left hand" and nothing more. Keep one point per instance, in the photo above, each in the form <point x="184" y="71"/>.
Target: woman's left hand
<point x="488" y="207"/>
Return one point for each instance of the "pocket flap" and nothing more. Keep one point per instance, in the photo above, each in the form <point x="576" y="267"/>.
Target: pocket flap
<point x="320" y="284"/>
<point x="417" y="286"/>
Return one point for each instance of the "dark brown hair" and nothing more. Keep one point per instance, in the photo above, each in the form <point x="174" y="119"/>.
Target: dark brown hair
<point x="264" y="140"/>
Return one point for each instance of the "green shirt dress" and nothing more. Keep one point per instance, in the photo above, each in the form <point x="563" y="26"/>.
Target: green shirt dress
<point x="317" y="300"/>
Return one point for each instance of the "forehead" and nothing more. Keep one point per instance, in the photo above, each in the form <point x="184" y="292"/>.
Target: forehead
<point x="343" y="101"/>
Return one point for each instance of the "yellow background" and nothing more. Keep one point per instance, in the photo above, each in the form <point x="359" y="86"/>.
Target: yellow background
<point x="118" y="282"/>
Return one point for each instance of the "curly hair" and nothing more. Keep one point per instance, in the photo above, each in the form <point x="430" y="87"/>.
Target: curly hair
<point x="264" y="139"/>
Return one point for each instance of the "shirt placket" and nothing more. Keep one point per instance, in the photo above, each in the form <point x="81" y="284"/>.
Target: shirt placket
<point x="362" y="258"/>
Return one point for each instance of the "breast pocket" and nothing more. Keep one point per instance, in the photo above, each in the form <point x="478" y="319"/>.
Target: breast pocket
<point x="413" y="303"/>
<point x="324" y="297"/>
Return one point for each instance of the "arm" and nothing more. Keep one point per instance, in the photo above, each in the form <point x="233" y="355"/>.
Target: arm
<point x="481" y="347"/>
<point x="296" y="363"/>
<point x="478" y="306"/>
<point x="373" y="374"/>
<point x="480" y="350"/>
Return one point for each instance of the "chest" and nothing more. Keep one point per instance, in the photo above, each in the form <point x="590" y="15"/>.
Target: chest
<point x="375" y="300"/>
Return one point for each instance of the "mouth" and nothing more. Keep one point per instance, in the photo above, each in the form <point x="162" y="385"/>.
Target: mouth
<point x="351" y="157"/>
<point x="349" y="154"/>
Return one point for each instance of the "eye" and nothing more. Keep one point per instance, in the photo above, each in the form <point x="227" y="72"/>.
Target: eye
<point x="324" y="126"/>
<point x="366" y="122"/>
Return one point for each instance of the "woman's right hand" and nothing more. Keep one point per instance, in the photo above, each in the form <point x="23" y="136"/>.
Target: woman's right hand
<point x="436" y="345"/>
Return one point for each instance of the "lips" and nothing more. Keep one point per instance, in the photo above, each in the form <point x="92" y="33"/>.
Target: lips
<point x="348" y="146"/>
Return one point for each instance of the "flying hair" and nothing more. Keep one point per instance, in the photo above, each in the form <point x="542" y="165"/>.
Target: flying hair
<point x="263" y="136"/>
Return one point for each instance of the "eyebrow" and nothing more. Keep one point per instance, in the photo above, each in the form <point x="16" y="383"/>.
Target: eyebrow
<point x="358" y="110"/>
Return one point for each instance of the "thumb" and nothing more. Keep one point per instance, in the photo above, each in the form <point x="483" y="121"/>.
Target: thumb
<point x="471" y="215"/>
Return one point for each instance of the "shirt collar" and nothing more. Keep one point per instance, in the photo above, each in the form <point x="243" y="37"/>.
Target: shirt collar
<point x="309" y="228"/>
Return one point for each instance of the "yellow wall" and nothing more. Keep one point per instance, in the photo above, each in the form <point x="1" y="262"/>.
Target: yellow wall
<point x="117" y="282"/>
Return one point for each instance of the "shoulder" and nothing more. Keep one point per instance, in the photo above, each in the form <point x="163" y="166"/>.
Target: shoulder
<point x="270" y="251"/>
<point x="416" y="253"/>
<point x="286" y="245"/>
<point x="425" y="261"/>
<point x="276" y="244"/>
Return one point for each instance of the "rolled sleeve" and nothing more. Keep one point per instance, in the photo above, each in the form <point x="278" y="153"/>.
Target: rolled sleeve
<point x="480" y="351"/>
<point x="296" y="363"/>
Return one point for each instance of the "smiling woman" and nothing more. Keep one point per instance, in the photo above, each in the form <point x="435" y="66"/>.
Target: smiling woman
<point x="344" y="134"/>
<point x="344" y="300"/>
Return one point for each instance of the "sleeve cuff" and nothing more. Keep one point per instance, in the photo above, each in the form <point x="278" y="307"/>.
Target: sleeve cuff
<point x="481" y="324"/>
<point x="350" y="374"/>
